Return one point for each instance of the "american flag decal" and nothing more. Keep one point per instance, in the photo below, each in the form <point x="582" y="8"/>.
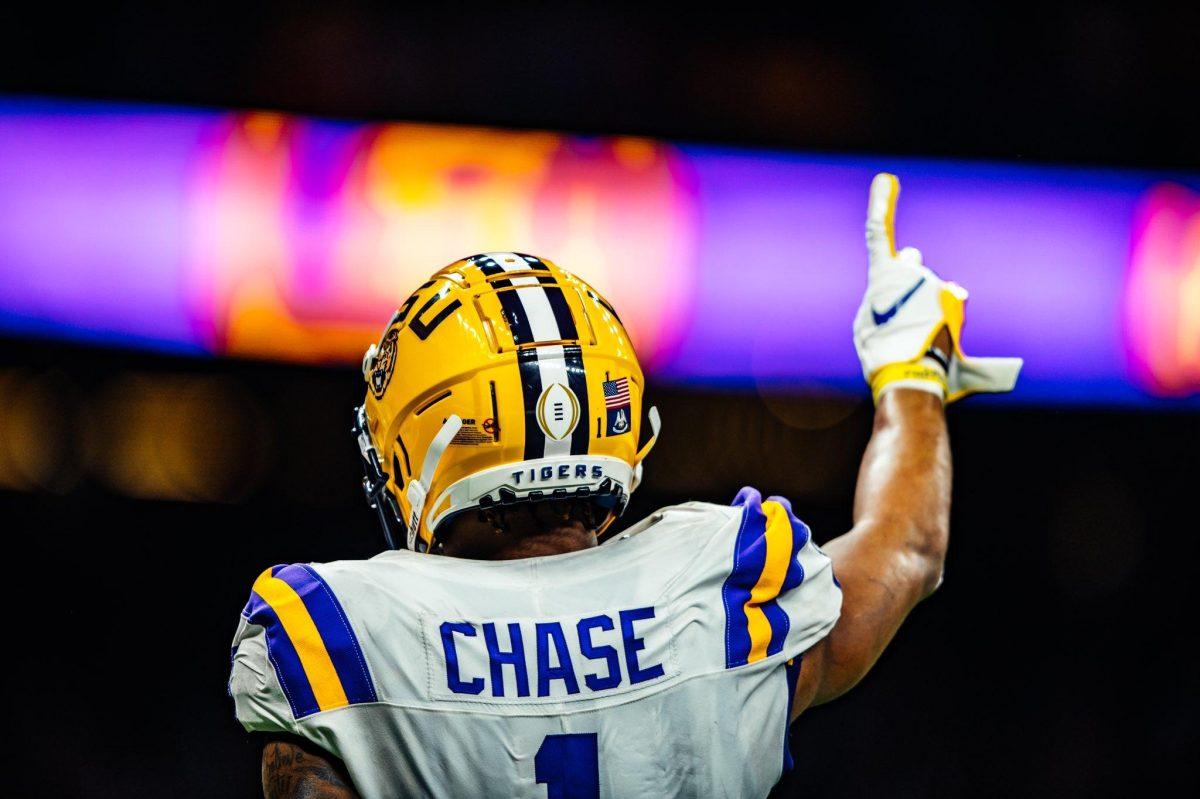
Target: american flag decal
<point x="616" y="393"/>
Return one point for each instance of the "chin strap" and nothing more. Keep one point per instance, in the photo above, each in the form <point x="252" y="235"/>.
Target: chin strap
<point x="655" y="427"/>
<point x="418" y="490"/>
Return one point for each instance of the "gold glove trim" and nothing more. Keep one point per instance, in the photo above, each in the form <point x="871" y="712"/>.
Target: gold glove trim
<point x="896" y="372"/>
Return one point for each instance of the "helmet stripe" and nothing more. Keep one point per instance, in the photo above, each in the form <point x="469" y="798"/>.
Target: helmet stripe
<point x="510" y="303"/>
<point x="542" y="367"/>
<point x="535" y="303"/>
<point x="531" y="389"/>
<point x="577" y="377"/>
<point x="533" y="261"/>
<point x="552" y="366"/>
<point x="562" y="313"/>
<point x="536" y="311"/>
<point x="514" y="314"/>
<point x="554" y="294"/>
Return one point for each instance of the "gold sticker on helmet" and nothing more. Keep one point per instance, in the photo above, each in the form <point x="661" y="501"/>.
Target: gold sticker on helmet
<point x="384" y="364"/>
<point x="557" y="411"/>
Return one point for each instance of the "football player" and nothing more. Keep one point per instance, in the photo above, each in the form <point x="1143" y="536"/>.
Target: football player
<point x="497" y="650"/>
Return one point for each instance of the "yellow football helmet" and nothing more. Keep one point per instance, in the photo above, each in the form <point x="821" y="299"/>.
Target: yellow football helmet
<point x="502" y="380"/>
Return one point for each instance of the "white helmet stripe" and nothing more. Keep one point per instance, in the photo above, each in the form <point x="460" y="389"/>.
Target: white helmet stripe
<point x="553" y="369"/>
<point x="542" y="322"/>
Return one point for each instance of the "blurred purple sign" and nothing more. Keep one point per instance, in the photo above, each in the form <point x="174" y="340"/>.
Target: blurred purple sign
<point x="262" y="235"/>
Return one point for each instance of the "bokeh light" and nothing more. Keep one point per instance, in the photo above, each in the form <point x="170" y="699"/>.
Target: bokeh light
<point x="265" y="235"/>
<point x="1162" y="309"/>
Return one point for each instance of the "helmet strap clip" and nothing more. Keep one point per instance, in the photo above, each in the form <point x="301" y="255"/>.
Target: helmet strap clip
<point x="418" y="490"/>
<point x="655" y="427"/>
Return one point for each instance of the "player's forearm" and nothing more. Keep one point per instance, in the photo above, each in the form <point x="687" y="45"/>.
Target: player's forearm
<point x="902" y="500"/>
<point x="294" y="771"/>
<point x="892" y="558"/>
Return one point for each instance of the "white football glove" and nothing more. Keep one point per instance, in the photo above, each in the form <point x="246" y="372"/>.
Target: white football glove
<point x="905" y="307"/>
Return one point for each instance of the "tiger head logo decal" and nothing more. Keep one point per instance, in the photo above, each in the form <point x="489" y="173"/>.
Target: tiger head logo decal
<point x="384" y="364"/>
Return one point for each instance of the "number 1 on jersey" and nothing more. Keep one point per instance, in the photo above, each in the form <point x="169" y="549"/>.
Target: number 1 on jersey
<point x="569" y="765"/>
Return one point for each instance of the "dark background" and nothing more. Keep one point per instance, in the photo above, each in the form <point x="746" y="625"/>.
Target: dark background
<point x="1077" y="81"/>
<point x="1051" y="662"/>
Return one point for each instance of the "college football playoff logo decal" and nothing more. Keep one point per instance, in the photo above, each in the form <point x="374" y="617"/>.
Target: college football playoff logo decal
<point x="557" y="411"/>
<point x="384" y="364"/>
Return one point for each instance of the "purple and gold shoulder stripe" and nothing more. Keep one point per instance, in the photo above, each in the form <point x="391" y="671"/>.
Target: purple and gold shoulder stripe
<point x="765" y="567"/>
<point x="309" y="639"/>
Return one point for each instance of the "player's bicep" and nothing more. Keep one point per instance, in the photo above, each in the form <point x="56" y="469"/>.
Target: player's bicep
<point x="293" y="768"/>
<point x="879" y="588"/>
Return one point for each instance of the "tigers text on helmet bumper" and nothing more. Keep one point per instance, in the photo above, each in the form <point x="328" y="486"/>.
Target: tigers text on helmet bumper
<point x="606" y="480"/>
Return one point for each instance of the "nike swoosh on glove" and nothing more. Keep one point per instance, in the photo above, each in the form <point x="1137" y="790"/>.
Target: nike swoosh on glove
<point x="905" y="306"/>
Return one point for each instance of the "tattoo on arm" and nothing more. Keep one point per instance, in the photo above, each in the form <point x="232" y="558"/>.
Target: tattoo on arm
<point x="291" y="770"/>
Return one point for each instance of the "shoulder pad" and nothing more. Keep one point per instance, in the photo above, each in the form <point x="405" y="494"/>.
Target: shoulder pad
<point x="311" y="644"/>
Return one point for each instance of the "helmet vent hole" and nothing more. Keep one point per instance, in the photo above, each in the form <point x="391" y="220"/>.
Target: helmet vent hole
<point x="403" y="451"/>
<point x="432" y="402"/>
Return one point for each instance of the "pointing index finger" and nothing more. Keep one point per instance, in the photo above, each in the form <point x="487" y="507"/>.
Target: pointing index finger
<point x="881" y="218"/>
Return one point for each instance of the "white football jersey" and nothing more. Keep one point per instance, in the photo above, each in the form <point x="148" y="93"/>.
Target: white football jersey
<point x="661" y="663"/>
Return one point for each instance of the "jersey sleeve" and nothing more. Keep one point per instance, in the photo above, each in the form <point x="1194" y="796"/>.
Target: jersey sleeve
<point x="780" y="596"/>
<point x="295" y="653"/>
<point x="258" y="698"/>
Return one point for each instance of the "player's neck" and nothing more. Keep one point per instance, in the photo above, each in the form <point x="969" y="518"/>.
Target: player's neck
<point x="571" y="537"/>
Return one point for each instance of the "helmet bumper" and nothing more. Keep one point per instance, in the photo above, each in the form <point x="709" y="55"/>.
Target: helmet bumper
<point x="605" y="480"/>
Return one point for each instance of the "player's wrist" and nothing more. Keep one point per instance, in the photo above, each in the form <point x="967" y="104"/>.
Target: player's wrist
<point x="927" y="374"/>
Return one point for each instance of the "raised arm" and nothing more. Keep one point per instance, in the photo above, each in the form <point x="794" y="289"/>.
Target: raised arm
<point x="892" y="558"/>
<point x="907" y="336"/>
<point x="295" y="769"/>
